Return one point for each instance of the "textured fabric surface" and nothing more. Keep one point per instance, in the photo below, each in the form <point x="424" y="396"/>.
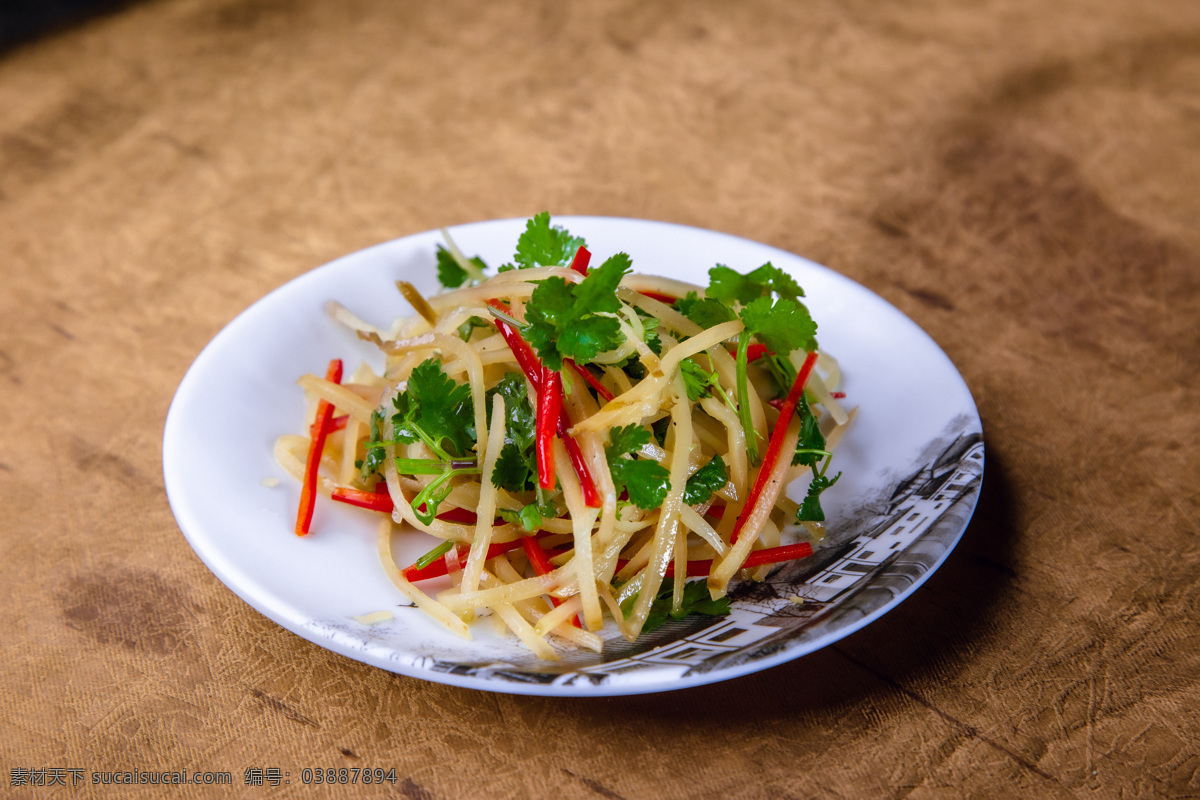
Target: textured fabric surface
<point x="1018" y="177"/>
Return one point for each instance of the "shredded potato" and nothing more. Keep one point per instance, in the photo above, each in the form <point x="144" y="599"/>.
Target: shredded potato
<point x="534" y="475"/>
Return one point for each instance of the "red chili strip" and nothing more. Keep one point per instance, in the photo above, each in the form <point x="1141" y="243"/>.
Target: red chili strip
<point x="548" y="410"/>
<point x="591" y="379"/>
<point x="838" y="395"/>
<point x="756" y="351"/>
<point x="437" y="569"/>
<point x="459" y="515"/>
<point x="776" y="443"/>
<point x="542" y="566"/>
<point x="580" y="262"/>
<point x="757" y="558"/>
<point x="381" y="501"/>
<point x="339" y="423"/>
<point x="662" y="298"/>
<point x="528" y="361"/>
<point x="591" y="495"/>
<point x="374" y="501"/>
<point x="312" y="466"/>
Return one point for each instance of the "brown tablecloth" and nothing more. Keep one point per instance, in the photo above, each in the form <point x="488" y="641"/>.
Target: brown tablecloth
<point x="1021" y="178"/>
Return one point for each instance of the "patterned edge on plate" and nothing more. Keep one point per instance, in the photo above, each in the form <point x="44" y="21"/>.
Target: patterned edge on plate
<point x="871" y="561"/>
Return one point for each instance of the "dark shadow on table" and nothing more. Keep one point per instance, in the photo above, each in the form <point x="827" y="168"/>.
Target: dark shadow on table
<point x="23" y="21"/>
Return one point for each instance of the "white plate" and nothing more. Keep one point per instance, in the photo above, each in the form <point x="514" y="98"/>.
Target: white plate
<point x="912" y="464"/>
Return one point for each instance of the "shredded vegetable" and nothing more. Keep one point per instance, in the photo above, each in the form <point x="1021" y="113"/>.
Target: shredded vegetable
<point x="579" y="440"/>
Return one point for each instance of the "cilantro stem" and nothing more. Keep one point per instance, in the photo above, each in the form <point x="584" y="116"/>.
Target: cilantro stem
<point x="420" y="466"/>
<point x="432" y="495"/>
<point x="507" y="318"/>
<point x="473" y="271"/>
<point x="743" y="398"/>
<point x="432" y="445"/>
<point x="437" y="552"/>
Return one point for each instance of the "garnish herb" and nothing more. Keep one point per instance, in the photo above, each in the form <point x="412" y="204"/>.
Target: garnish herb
<point x="771" y="313"/>
<point x="646" y="481"/>
<point x="810" y="508"/>
<point x="436" y="410"/>
<point x="468" y="328"/>
<point x="372" y="460"/>
<point x="454" y="269"/>
<point x="529" y="517"/>
<point x="516" y="466"/>
<point x="704" y="481"/>
<point x="810" y="450"/>
<point x="576" y="320"/>
<point x="544" y="245"/>
<point x="696" y="600"/>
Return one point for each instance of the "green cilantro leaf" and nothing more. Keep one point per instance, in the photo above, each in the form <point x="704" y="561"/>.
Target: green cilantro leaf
<point x="435" y="409"/>
<point x="545" y="245"/>
<point x="597" y="292"/>
<point x="782" y="325"/>
<point x="696" y="600"/>
<point x="704" y="481"/>
<point x="810" y="448"/>
<point x="652" y="338"/>
<point x="565" y="319"/>
<point x="732" y="286"/>
<point x="513" y="471"/>
<point x="810" y="508"/>
<point x="516" y="467"/>
<point x="646" y="481"/>
<point x="627" y="439"/>
<point x="529" y="517"/>
<point x="706" y="313"/>
<point x="696" y="379"/>
<point x="519" y="418"/>
<point x="451" y="273"/>
<point x="373" y="455"/>
<point x="468" y="328"/>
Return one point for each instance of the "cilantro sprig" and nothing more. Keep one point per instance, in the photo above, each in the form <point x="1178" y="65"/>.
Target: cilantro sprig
<point x="810" y="508"/>
<point x="454" y="269"/>
<point x="544" y="245"/>
<point x="646" y="481"/>
<point x="516" y="466"/>
<point x="437" y="411"/>
<point x="576" y="320"/>
<point x="811" y="451"/>
<point x="767" y="302"/>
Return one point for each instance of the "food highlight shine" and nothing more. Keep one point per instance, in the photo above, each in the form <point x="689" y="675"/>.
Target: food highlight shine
<point x="581" y="439"/>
